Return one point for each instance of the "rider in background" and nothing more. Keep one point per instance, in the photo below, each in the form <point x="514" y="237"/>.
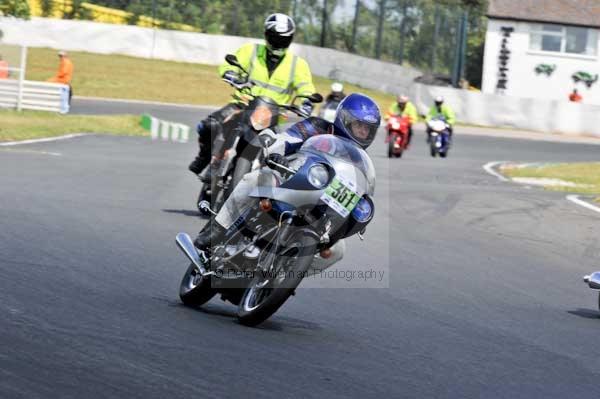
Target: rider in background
<point x="403" y="107"/>
<point x="337" y="93"/>
<point x="439" y="109"/>
<point x="275" y="72"/>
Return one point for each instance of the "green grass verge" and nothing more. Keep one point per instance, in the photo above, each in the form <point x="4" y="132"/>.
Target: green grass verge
<point x="118" y="76"/>
<point x="586" y="175"/>
<point x="34" y="124"/>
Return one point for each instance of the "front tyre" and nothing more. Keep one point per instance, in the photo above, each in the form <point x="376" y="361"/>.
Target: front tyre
<point x="391" y="148"/>
<point x="268" y="291"/>
<point x="432" y="149"/>
<point x="194" y="289"/>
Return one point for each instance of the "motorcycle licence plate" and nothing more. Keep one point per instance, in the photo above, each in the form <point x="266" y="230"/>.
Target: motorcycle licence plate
<point x="341" y="196"/>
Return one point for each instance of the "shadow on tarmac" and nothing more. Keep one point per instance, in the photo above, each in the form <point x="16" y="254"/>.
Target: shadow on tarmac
<point x="585" y="313"/>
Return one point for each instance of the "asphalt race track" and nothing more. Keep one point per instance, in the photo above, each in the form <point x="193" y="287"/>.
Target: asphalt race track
<point x="485" y="298"/>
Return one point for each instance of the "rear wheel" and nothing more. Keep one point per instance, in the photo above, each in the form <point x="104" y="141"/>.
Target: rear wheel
<point x="194" y="289"/>
<point x="268" y="291"/>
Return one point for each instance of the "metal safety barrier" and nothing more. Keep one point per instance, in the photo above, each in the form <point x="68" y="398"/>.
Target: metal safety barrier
<point x="39" y="96"/>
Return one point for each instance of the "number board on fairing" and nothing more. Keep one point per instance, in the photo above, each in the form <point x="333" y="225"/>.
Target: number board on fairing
<point x="341" y="196"/>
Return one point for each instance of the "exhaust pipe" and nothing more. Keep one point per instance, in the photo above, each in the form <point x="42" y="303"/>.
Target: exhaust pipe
<point x="184" y="242"/>
<point x="593" y="280"/>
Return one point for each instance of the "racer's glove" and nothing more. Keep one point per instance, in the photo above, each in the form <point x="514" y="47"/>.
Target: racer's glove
<point x="307" y="107"/>
<point x="233" y="77"/>
<point x="278" y="159"/>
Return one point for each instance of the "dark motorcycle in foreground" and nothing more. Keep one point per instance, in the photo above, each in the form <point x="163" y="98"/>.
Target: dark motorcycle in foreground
<point x="235" y="150"/>
<point x="322" y="196"/>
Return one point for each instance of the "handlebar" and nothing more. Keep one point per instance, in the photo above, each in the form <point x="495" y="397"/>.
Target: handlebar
<point x="242" y="86"/>
<point x="274" y="165"/>
<point x="246" y="88"/>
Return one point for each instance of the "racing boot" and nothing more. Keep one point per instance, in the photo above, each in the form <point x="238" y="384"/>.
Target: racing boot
<point x="212" y="232"/>
<point x="198" y="164"/>
<point x="203" y="157"/>
<point x="201" y="160"/>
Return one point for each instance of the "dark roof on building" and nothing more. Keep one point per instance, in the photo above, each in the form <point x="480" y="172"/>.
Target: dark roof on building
<point x="567" y="12"/>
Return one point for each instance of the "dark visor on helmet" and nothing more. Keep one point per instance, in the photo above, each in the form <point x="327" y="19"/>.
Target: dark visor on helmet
<point x="276" y="41"/>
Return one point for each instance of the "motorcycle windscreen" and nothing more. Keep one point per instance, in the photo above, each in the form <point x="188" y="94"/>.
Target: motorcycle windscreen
<point x="344" y="150"/>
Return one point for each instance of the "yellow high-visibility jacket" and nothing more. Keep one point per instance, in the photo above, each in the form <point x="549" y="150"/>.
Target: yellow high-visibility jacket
<point x="446" y="112"/>
<point x="291" y="77"/>
<point x="409" y="110"/>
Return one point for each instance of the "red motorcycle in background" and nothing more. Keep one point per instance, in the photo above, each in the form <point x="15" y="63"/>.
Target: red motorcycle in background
<point x="397" y="137"/>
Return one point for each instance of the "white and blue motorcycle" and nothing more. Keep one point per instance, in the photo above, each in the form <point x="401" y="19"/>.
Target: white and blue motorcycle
<point x="324" y="195"/>
<point x="439" y="142"/>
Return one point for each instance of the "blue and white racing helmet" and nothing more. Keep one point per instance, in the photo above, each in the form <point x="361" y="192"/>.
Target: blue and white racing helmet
<point x="357" y="118"/>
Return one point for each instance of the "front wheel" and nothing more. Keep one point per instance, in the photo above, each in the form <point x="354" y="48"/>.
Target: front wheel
<point x="391" y="148"/>
<point x="194" y="289"/>
<point x="432" y="149"/>
<point x="268" y="291"/>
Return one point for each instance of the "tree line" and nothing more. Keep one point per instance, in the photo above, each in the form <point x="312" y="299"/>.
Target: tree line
<point x="421" y="33"/>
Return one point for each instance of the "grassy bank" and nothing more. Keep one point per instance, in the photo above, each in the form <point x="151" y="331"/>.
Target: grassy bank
<point x="117" y="76"/>
<point x="33" y="124"/>
<point x="585" y="175"/>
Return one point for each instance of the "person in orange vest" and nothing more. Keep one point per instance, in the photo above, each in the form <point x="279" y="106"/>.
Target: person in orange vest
<point x="65" y="72"/>
<point x="3" y="68"/>
<point x="575" y="96"/>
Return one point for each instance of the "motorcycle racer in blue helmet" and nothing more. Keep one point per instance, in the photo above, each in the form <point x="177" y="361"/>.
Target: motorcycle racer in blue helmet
<point x="357" y="120"/>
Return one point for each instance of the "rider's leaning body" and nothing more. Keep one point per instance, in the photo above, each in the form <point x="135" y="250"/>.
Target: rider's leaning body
<point x="441" y="110"/>
<point x="275" y="73"/>
<point x="357" y="120"/>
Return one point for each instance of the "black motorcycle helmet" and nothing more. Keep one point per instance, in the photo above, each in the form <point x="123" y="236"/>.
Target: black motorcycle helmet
<point x="279" y="32"/>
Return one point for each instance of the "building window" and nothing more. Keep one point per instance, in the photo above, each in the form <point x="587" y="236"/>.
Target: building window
<point x="563" y="39"/>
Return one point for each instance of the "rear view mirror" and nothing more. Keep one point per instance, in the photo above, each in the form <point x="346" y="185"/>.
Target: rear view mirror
<point x="315" y="98"/>
<point x="232" y="60"/>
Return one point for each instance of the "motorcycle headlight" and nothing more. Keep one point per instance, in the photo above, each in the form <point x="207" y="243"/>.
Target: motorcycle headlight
<point x="363" y="211"/>
<point x="318" y="176"/>
<point x="395" y="126"/>
<point x="261" y="118"/>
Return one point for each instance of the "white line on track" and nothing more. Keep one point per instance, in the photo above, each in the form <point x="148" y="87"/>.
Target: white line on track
<point x="575" y="199"/>
<point x="54" y="154"/>
<point x="44" y="140"/>
<point x="489" y="167"/>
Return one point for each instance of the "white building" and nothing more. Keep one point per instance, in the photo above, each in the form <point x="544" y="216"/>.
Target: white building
<point x="543" y="49"/>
